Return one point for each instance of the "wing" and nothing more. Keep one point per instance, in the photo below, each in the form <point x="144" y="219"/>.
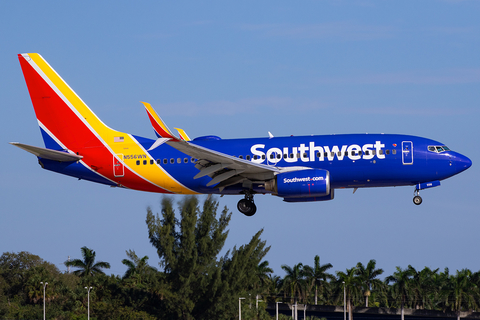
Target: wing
<point x="225" y="170"/>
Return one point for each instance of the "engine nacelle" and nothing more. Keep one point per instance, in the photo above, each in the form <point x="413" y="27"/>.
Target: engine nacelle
<point x="300" y="184"/>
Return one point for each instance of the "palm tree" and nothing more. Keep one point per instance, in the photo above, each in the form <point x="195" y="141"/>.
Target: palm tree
<point x="424" y="287"/>
<point x="317" y="273"/>
<point x="138" y="268"/>
<point x="401" y="279"/>
<point x="87" y="266"/>
<point x="352" y="284"/>
<point x="462" y="291"/>
<point x="294" y="280"/>
<point x="368" y="277"/>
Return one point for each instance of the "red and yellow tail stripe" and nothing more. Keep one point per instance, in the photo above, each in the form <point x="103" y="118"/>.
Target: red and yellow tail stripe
<point x="70" y="122"/>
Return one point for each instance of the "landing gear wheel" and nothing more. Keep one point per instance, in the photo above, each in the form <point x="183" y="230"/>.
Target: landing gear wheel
<point x="417" y="200"/>
<point x="247" y="207"/>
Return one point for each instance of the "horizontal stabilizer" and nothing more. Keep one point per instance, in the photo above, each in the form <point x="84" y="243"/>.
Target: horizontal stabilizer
<point x="48" y="153"/>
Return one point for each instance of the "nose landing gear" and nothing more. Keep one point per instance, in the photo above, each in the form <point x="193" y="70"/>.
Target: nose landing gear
<point x="247" y="206"/>
<point x="417" y="199"/>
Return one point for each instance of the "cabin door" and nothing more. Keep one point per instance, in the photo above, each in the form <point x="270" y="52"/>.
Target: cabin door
<point x="118" y="169"/>
<point x="407" y="152"/>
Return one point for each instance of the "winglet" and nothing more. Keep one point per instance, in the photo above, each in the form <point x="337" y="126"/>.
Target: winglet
<point x="183" y="134"/>
<point x="159" y="126"/>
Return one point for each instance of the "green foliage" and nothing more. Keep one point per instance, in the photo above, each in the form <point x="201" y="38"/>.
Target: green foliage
<point x="88" y="267"/>
<point x="198" y="284"/>
<point x="195" y="282"/>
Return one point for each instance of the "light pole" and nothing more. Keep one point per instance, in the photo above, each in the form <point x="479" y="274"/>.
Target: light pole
<point x="276" y="308"/>
<point x="258" y="301"/>
<point x="88" y="301"/>
<point x="344" y="302"/>
<point x="240" y="308"/>
<point x="44" y="286"/>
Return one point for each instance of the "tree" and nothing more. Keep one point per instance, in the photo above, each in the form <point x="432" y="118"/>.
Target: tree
<point x="352" y="284"/>
<point x="87" y="267"/>
<point x="402" y="281"/>
<point x="199" y="285"/>
<point x="368" y="276"/>
<point x="294" y="281"/>
<point x="317" y="274"/>
<point x="138" y="268"/>
<point x="463" y="293"/>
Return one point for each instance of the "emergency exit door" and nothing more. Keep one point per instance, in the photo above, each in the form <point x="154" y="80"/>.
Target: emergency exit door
<point x="118" y="168"/>
<point x="407" y="152"/>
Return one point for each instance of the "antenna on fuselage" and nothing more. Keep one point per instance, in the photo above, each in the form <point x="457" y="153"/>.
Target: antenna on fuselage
<point x="270" y="135"/>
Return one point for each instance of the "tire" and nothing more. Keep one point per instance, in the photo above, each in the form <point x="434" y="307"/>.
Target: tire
<point x="246" y="207"/>
<point x="417" y="200"/>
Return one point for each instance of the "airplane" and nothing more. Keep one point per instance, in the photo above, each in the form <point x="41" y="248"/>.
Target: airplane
<point x="295" y="168"/>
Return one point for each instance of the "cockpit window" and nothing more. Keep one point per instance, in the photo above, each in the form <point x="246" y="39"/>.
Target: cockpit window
<point x="438" y="149"/>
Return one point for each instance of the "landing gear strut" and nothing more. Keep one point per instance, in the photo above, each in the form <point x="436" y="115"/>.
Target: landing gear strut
<point x="417" y="199"/>
<point x="246" y="206"/>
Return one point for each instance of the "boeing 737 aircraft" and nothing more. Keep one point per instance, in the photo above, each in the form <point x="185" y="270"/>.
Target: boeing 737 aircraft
<point x="297" y="169"/>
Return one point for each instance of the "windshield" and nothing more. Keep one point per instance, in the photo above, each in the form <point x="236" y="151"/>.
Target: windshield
<point x="438" y="149"/>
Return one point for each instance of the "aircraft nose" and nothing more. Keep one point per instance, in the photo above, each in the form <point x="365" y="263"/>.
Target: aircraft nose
<point x="462" y="162"/>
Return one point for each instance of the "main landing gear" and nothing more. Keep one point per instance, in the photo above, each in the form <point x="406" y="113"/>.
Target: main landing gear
<point x="247" y="206"/>
<point x="417" y="199"/>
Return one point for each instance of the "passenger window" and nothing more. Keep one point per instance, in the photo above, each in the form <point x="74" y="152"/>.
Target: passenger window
<point x="158" y="161"/>
<point x="325" y="154"/>
<point x="318" y="154"/>
<point x="332" y="154"/>
<point x="165" y="161"/>
<point x="248" y="157"/>
<point x="387" y="151"/>
<point x="241" y="157"/>
<point x="367" y="153"/>
<point x="339" y="153"/>
<point x="394" y="151"/>
<point x="185" y="160"/>
<point x="284" y="156"/>
<point x="291" y="155"/>
<point x="192" y="160"/>
<point x="380" y="151"/>
<point x="272" y="156"/>
<point x="360" y="153"/>
<point x="138" y="162"/>
<point x="374" y="151"/>
<point x="263" y="156"/>
<point x="255" y="157"/>
<point x="179" y="160"/>
<point x="144" y="162"/>
<point x="151" y="161"/>
<point x="172" y="161"/>
<point x="279" y="156"/>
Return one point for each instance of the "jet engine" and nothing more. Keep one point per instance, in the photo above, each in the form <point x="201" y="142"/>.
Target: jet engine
<point x="309" y="183"/>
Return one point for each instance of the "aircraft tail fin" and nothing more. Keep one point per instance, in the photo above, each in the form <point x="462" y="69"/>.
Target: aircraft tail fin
<point x="66" y="122"/>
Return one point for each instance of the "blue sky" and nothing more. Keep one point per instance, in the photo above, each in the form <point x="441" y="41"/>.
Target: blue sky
<point x="240" y="70"/>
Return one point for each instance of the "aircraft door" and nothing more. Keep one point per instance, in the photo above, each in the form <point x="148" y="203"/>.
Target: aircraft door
<point x="118" y="168"/>
<point x="407" y="152"/>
